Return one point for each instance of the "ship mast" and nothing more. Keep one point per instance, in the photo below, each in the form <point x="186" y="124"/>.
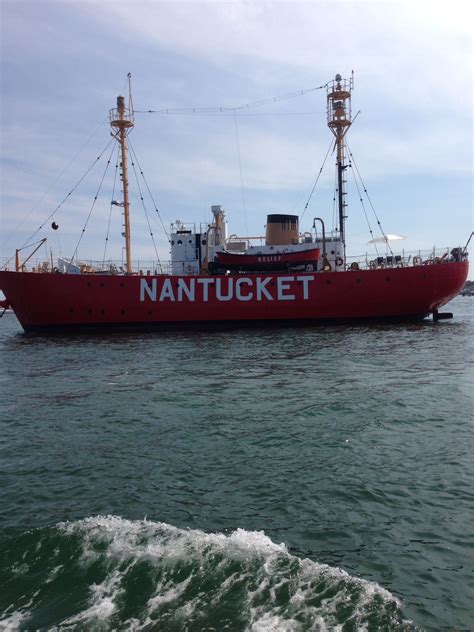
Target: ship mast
<point x="121" y="119"/>
<point x="339" y="121"/>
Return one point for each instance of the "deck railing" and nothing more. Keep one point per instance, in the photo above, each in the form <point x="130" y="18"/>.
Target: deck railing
<point x="404" y="259"/>
<point x="147" y="267"/>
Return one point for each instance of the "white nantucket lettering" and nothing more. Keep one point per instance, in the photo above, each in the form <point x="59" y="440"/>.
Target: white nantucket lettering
<point x="146" y="289"/>
<point x="188" y="290"/>
<point x="262" y="290"/>
<point x="226" y="289"/>
<point x="205" y="288"/>
<point x="230" y="290"/>
<point x="238" y="293"/>
<point x="167" y="291"/>
<point x="283" y="285"/>
<point x="305" y="280"/>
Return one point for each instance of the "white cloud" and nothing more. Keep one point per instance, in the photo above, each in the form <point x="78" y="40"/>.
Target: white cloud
<point x="390" y="41"/>
<point x="61" y="63"/>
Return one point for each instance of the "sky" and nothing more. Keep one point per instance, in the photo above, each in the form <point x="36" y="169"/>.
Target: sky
<point x="64" y="63"/>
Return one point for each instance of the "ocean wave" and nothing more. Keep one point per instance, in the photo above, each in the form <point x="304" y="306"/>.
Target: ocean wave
<point x="106" y="572"/>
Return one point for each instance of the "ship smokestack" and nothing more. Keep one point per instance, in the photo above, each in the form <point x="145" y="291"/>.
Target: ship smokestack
<point x="282" y="230"/>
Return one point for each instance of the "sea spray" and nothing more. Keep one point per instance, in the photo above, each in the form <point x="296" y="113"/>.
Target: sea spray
<point x="106" y="572"/>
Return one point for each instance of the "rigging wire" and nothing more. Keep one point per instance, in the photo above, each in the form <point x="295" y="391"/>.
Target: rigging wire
<point x="30" y="245"/>
<point x="130" y="100"/>
<point x="221" y="109"/>
<point x="93" y="203"/>
<point x="317" y="178"/>
<point x="58" y="242"/>
<point x="125" y="83"/>
<point x="240" y="170"/>
<point x="70" y="192"/>
<point x="146" y="215"/>
<point x="46" y="254"/>
<point x="334" y="210"/>
<point x="117" y="160"/>
<point x="363" y="206"/>
<point x="135" y="158"/>
<point x="23" y="220"/>
<point x="368" y="197"/>
<point x="229" y="112"/>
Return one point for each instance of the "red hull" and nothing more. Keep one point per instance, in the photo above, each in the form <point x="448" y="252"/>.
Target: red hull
<point x="59" y="301"/>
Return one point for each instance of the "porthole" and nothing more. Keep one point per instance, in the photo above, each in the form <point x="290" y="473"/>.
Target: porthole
<point x="203" y="242"/>
<point x="172" y="242"/>
<point x="179" y="242"/>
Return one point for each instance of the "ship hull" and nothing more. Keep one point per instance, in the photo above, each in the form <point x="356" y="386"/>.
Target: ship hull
<point x="58" y="302"/>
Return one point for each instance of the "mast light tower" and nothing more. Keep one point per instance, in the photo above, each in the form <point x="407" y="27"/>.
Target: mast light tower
<point x="339" y="120"/>
<point x="122" y="120"/>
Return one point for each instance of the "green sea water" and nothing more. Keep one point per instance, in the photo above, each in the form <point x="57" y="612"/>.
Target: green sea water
<point x="297" y="479"/>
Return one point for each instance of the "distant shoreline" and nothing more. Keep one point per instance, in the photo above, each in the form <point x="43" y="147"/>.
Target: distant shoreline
<point x="468" y="289"/>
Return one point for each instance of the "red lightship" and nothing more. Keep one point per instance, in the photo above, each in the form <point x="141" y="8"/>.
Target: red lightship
<point x="215" y="278"/>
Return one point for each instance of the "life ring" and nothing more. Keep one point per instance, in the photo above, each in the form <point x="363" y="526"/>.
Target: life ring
<point x="339" y="261"/>
<point x="354" y="265"/>
<point x="417" y="261"/>
<point x="373" y="264"/>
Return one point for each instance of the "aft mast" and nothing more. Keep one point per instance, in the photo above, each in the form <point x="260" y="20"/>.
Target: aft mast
<point x="339" y="121"/>
<point x="121" y="119"/>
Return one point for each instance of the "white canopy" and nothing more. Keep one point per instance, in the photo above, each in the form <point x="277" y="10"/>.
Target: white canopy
<point x="385" y="239"/>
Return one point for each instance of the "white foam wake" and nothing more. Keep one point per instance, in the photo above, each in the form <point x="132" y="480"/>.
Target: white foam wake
<point x="311" y="591"/>
<point x="140" y="574"/>
<point x="11" y="622"/>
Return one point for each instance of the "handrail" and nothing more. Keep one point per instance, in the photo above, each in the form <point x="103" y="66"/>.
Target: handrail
<point x="150" y="266"/>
